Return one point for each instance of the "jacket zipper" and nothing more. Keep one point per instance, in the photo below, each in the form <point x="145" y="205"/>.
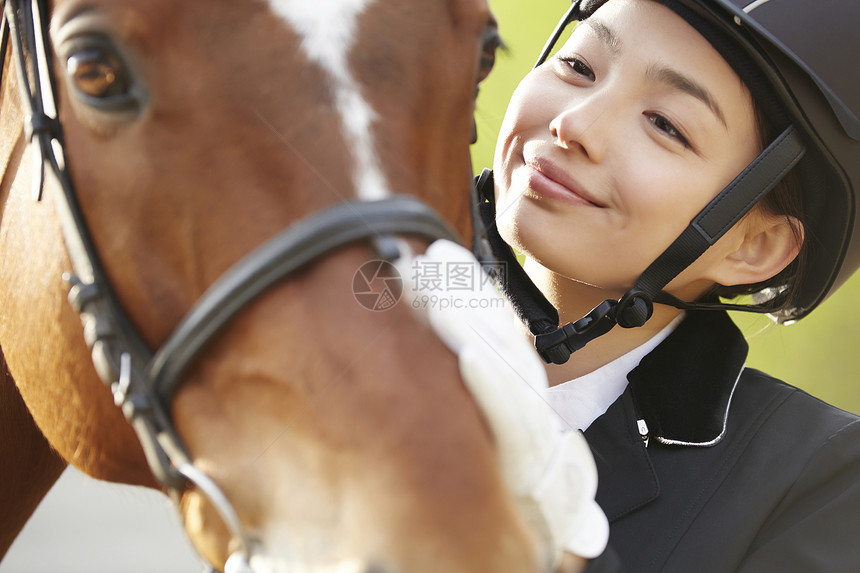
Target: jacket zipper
<point x="641" y="425"/>
<point x="643" y="431"/>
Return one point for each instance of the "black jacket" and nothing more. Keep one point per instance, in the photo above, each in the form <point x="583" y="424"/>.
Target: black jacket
<point x="741" y="472"/>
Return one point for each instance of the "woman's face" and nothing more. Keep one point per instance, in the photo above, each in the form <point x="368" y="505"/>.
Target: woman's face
<point x="610" y="148"/>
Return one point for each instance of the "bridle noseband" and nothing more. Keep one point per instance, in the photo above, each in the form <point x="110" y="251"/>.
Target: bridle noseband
<point x="143" y="383"/>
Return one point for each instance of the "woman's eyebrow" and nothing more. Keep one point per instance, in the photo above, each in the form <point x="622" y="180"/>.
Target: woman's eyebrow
<point x="687" y="85"/>
<point x="606" y="35"/>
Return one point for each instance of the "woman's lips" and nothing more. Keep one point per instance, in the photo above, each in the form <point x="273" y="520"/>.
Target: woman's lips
<point x="548" y="179"/>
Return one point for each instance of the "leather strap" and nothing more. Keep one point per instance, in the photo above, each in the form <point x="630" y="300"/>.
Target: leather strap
<point x="298" y="245"/>
<point x="723" y="211"/>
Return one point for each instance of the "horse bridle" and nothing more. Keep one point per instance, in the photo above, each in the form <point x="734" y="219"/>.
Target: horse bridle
<point x="142" y="382"/>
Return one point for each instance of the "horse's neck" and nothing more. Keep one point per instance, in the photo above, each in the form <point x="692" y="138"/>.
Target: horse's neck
<point x="30" y="464"/>
<point x="12" y="142"/>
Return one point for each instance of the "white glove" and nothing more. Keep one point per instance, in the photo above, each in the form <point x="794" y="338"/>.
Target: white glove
<point x="549" y="470"/>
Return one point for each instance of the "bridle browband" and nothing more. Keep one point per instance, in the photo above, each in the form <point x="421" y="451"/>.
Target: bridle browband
<point x="143" y="383"/>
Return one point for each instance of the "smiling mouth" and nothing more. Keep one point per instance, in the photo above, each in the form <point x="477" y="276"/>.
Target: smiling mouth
<point x="548" y="180"/>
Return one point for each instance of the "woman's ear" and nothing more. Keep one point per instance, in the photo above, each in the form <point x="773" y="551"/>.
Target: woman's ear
<point x="767" y="245"/>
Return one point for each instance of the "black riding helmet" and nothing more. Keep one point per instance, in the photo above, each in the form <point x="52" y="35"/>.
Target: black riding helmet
<point x="798" y="61"/>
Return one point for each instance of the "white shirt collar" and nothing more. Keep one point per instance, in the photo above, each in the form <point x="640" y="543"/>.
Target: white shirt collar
<point x="582" y="400"/>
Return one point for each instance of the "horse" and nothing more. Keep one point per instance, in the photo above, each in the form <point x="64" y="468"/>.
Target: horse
<point x="153" y="145"/>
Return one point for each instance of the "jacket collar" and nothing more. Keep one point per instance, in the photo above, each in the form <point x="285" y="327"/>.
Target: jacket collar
<point x="683" y="390"/>
<point x="684" y="387"/>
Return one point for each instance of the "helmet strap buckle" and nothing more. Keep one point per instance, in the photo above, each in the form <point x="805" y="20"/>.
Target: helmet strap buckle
<point x="634" y="309"/>
<point x="556" y="347"/>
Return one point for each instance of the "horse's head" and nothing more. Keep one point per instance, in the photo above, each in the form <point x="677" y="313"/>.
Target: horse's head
<point x="195" y="131"/>
<point x="215" y="124"/>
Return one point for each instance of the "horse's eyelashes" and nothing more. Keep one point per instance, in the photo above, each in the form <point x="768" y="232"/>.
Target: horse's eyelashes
<point x="492" y="42"/>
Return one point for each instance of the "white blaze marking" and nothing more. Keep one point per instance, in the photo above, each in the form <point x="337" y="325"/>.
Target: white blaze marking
<point x="327" y="29"/>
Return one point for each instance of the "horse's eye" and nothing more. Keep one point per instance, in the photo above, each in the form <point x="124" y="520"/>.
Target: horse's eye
<point x="101" y="78"/>
<point x="492" y="41"/>
<point x="98" y="73"/>
<point x="106" y="90"/>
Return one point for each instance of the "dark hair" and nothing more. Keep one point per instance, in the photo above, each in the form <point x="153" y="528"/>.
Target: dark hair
<point x="785" y="200"/>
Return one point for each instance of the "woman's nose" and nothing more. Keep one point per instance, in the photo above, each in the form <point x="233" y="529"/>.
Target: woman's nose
<point x="586" y="126"/>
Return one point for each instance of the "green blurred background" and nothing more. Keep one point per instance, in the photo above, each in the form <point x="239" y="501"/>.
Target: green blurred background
<point x="819" y="354"/>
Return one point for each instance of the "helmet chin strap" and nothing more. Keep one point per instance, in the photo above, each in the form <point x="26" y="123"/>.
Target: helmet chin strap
<point x="555" y="344"/>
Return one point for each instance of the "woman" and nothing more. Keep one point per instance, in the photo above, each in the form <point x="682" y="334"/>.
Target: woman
<point x="739" y="118"/>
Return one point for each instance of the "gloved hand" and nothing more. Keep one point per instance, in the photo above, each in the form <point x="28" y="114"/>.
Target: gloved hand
<point x="549" y="469"/>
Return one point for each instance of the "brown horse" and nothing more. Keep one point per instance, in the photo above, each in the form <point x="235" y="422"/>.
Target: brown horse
<point x="193" y="132"/>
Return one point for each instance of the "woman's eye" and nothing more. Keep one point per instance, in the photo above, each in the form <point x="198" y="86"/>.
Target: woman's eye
<point x="578" y="66"/>
<point x="98" y="73"/>
<point x="664" y="125"/>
